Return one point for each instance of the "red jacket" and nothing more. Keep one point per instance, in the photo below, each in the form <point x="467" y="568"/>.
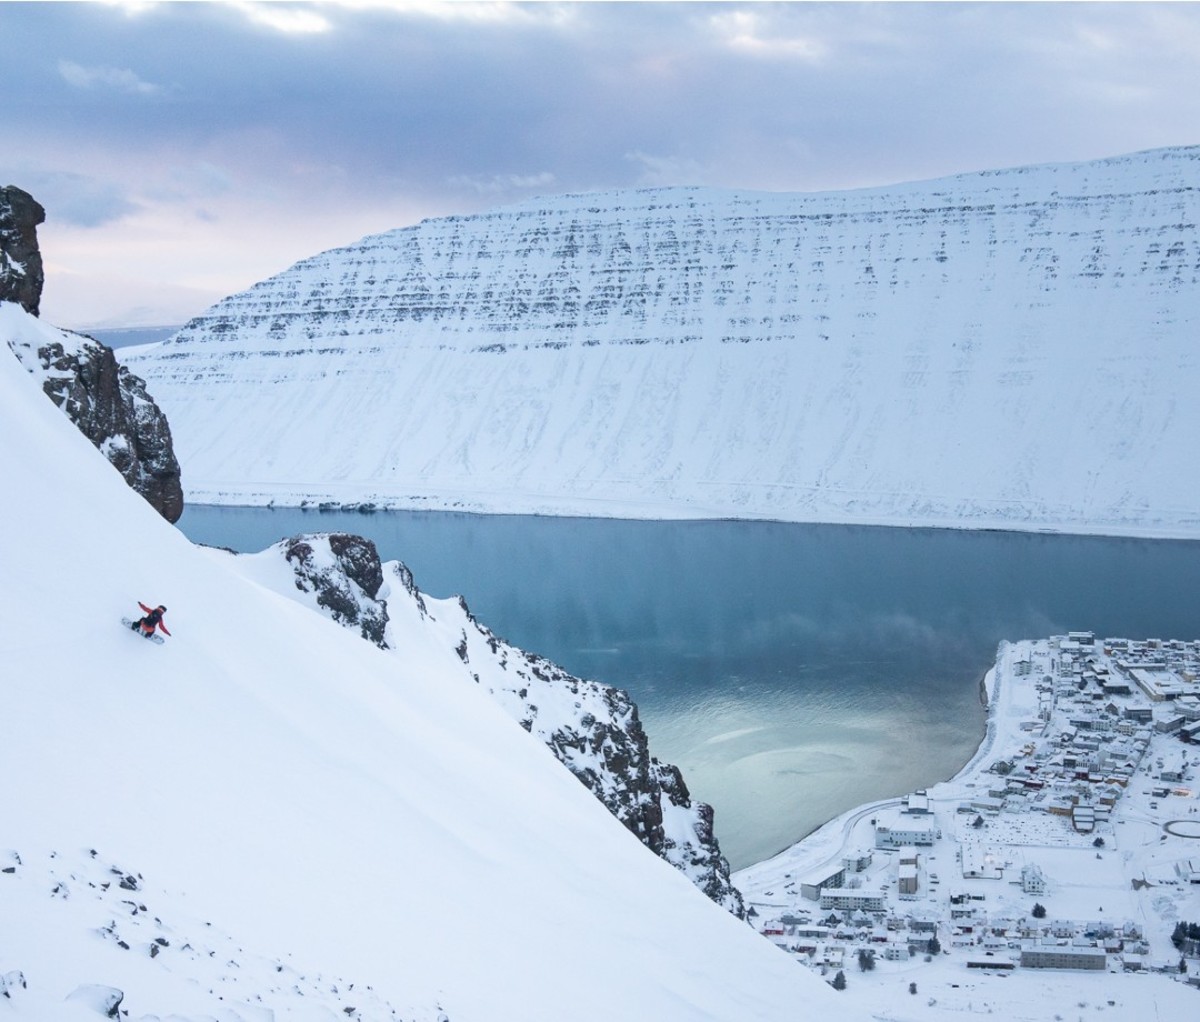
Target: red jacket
<point x="154" y="618"/>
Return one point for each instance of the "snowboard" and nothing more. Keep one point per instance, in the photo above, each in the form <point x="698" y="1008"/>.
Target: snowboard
<point x="128" y="623"/>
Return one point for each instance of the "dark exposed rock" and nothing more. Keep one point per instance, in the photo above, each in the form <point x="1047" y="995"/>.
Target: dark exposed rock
<point x="645" y="790"/>
<point x="345" y="576"/>
<point x="360" y="560"/>
<point x="113" y="410"/>
<point x="10" y="981"/>
<point x="103" y="1000"/>
<point x="21" y="274"/>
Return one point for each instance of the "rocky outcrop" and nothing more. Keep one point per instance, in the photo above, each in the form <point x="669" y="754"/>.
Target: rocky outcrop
<point x="604" y="745"/>
<point x="344" y="574"/>
<point x="112" y="409"/>
<point x="105" y="400"/>
<point x="20" y="259"/>
<point x="592" y="729"/>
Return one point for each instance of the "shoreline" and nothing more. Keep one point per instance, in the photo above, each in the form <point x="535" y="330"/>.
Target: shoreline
<point x="990" y="694"/>
<point x="985" y="700"/>
<point x="525" y="506"/>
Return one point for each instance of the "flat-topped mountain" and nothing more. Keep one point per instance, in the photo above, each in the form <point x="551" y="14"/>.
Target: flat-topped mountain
<point x="1007" y="349"/>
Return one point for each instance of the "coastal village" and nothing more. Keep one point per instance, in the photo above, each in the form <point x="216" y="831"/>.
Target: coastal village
<point x="1071" y="841"/>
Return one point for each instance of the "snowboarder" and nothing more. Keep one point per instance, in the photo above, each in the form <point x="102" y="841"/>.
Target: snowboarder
<point x="152" y="620"/>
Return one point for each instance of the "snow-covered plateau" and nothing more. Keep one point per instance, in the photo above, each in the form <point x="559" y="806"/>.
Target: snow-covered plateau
<point x="1011" y="349"/>
<point x="268" y="818"/>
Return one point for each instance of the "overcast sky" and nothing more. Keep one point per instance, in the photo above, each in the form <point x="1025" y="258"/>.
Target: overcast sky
<point x="184" y="151"/>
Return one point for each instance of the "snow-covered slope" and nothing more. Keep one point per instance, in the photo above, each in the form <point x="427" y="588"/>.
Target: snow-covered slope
<point x="593" y="729"/>
<point x="265" y="819"/>
<point x="1014" y="348"/>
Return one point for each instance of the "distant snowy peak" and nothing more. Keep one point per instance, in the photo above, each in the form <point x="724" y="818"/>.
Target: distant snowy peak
<point x="1010" y="348"/>
<point x="574" y="266"/>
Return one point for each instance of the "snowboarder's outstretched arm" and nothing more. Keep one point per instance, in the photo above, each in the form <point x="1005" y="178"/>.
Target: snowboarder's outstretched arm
<point x="153" y="619"/>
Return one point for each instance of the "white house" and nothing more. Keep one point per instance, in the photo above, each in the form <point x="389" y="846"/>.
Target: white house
<point x="894" y="830"/>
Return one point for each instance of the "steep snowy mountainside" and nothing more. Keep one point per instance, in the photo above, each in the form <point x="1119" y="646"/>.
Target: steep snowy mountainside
<point x="311" y="830"/>
<point x="1015" y="348"/>
<point x="592" y="729"/>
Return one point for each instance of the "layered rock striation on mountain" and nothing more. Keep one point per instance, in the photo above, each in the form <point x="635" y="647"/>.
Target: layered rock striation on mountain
<point x="592" y="729"/>
<point x="1007" y="349"/>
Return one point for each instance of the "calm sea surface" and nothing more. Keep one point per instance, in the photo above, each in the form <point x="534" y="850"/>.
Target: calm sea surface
<point x="791" y="671"/>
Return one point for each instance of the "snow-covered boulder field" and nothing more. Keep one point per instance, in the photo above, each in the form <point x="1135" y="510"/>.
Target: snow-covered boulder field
<point x="267" y="818"/>
<point x="1012" y="349"/>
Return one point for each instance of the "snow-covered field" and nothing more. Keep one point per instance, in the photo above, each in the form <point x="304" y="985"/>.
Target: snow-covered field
<point x="265" y="819"/>
<point x="1013" y="349"/>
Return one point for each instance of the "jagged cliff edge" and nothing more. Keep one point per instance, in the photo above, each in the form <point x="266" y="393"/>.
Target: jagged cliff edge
<point x="593" y="729"/>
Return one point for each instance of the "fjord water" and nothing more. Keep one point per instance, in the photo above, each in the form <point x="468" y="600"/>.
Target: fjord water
<point x="791" y="671"/>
